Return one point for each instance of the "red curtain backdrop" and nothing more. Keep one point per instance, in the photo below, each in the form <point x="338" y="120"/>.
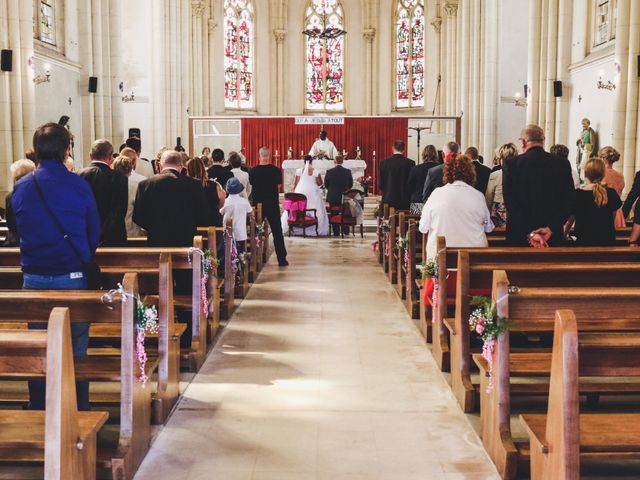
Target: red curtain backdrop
<point x="371" y="134"/>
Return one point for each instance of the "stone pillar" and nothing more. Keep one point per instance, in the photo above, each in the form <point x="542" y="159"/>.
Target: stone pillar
<point x="565" y="8"/>
<point x="369" y="36"/>
<point x="465" y="69"/>
<point x="489" y="119"/>
<point x="211" y="24"/>
<point x="17" y="92"/>
<point x="279" y="86"/>
<point x="476" y="68"/>
<point x="198" y="45"/>
<point x="436" y="23"/>
<point x="533" y="99"/>
<point x="451" y="58"/>
<point x="550" y="75"/>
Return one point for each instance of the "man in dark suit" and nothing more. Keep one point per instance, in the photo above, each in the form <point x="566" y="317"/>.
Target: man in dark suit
<point x="435" y="174"/>
<point x="632" y="197"/>
<point x="111" y="191"/>
<point x="337" y="181"/>
<point x="482" y="171"/>
<point x="218" y="171"/>
<point x="393" y="178"/>
<point x="169" y="206"/>
<point x="538" y="193"/>
<point x="265" y="180"/>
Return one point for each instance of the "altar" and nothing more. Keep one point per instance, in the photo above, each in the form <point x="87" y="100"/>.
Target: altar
<point x="289" y="168"/>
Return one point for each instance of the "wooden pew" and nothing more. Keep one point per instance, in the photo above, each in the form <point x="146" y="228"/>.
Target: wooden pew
<point x="134" y="434"/>
<point x="383" y="240"/>
<point x="410" y="271"/>
<point x="563" y="436"/>
<point x="530" y="310"/>
<point x="402" y="227"/>
<point x="380" y="217"/>
<point x="553" y="267"/>
<point x="62" y="437"/>
<point x="391" y="264"/>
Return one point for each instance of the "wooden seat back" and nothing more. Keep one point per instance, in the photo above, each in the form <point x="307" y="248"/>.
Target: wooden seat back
<point x="67" y="452"/>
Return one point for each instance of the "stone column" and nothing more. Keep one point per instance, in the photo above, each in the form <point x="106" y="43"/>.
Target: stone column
<point x="369" y="36"/>
<point x="17" y="92"/>
<point x="534" y="62"/>
<point x="565" y="9"/>
<point x="211" y="24"/>
<point x="464" y="71"/>
<point x="451" y="57"/>
<point x="198" y="44"/>
<point x="436" y="23"/>
<point x="280" y="36"/>
<point x="550" y="76"/>
<point x="489" y="119"/>
<point x="476" y="68"/>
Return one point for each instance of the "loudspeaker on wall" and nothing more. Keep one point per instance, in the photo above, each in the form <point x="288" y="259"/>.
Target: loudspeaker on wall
<point x="557" y="88"/>
<point x="6" y="60"/>
<point x="93" y="84"/>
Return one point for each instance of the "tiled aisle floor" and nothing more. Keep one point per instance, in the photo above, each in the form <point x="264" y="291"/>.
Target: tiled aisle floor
<point x="320" y="375"/>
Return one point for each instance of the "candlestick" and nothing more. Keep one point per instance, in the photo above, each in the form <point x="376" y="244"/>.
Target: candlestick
<point x="301" y="153"/>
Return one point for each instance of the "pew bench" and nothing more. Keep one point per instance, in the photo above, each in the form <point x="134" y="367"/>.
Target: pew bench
<point x="123" y="454"/>
<point x="564" y="436"/>
<point x="610" y="311"/>
<point x="60" y="437"/>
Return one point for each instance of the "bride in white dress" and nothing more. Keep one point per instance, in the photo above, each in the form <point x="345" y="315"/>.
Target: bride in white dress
<point x="308" y="182"/>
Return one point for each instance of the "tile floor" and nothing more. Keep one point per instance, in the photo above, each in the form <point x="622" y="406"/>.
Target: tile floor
<point x="320" y="375"/>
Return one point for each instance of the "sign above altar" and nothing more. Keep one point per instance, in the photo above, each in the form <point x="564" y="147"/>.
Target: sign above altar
<point x="319" y="120"/>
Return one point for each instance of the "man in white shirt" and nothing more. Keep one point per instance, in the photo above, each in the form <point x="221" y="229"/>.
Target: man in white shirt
<point x="133" y="179"/>
<point x="235" y="162"/>
<point x="325" y="147"/>
<point x="142" y="166"/>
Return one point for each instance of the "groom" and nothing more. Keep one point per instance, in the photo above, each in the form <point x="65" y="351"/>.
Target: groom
<point x="337" y="181"/>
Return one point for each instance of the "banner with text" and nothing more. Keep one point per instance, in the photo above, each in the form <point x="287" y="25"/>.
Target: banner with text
<point x="319" y="120"/>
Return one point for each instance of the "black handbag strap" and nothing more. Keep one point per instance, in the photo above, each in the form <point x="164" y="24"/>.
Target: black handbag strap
<point x="56" y="221"/>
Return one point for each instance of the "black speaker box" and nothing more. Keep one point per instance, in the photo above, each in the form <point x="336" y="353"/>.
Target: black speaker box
<point x="526" y="90"/>
<point x="6" y="60"/>
<point x="557" y="88"/>
<point x="93" y="84"/>
<point x="134" y="132"/>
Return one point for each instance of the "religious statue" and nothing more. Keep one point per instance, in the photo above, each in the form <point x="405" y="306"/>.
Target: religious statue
<point x="290" y="153"/>
<point x="358" y="153"/>
<point x="587" y="146"/>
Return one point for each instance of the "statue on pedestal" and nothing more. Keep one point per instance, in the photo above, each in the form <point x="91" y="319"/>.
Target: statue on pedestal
<point x="587" y="146"/>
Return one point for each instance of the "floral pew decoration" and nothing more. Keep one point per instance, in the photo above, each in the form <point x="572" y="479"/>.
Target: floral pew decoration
<point x="488" y="326"/>
<point x="430" y="280"/>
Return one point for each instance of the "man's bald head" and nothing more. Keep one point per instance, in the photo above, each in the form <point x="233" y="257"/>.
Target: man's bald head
<point x="171" y="159"/>
<point x="532" y="134"/>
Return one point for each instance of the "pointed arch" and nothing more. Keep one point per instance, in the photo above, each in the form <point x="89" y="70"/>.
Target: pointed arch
<point x="324" y="60"/>
<point x="239" y="54"/>
<point x="409" y="37"/>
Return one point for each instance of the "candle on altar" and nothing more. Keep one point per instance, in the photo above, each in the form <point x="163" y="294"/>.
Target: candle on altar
<point x="276" y="153"/>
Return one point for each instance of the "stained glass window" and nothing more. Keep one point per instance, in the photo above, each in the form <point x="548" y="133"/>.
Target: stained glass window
<point x="605" y="21"/>
<point x="44" y="24"/>
<point x="409" y="38"/>
<point x="324" y="72"/>
<point x="238" y="53"/>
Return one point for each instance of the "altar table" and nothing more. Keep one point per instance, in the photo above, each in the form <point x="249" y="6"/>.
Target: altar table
<point x="289" y="168"/>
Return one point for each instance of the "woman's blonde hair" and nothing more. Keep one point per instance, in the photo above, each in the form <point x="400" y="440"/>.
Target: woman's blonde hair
<point x="430" y="154"/>
<point x="609" y="155"/>
<point x="505" y="152"/>
<point x="123" y="165"/>
<point x="459" y="167"/>
<point x="595" y="170"/>
<point x="20" y="168"/>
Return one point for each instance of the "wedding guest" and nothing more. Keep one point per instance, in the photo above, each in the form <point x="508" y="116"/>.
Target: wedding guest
<point x="482" y="171"/>
<point x="143" y="166"/>
<point x="456" y="210"/>
<point x="214" y="193"/>
<point x="18" y="169"/>
<point x="632" y="197"/>
<point x="337" y="180"/>
<point x="125" y="166"/>
<point x="217" y="171"/>
<point x="493" y="195"/>
<point x="47" y="203"/>
<point x="170" y="207"/>
<point x="434" y="177"/>
<point x="237" y="208"/>
<point x="70" y="164"/>
<point x="538" y="193"/>
<point x="265" y="180"/>
<point x="392" y="178"/>
<point x="562" y="151"/>
<point x="205" y="156"/>
<point x="111" y="192"/>
<point x="613" y="179"/>
<point x="595" y="208"/>
<point x="418" y="176"/>
<point x="235" y="162"/>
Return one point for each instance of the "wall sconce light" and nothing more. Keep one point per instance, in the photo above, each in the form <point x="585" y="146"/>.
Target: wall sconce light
<point x="602" y="85"/>
<point x="129" y="98"/>
<point x="518" y="101"/>
<point x="43" y="78"/>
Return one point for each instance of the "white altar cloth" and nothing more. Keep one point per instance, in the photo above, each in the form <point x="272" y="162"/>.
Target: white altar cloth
<point x="289" y="168"/>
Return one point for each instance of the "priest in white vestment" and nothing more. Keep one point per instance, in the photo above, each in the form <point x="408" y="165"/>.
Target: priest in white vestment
<point x="324" y="147"/>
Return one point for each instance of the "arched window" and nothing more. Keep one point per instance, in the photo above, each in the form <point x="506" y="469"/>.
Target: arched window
<point x="604" y="21"/>
<point x="324" y="71"/>
<point x="44" y="21"/>
<point x="238" y="54"/>
<point x="409" y="39"/>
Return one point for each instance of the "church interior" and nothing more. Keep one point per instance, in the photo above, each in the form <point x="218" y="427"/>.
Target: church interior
<point x="319" y="239"/>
